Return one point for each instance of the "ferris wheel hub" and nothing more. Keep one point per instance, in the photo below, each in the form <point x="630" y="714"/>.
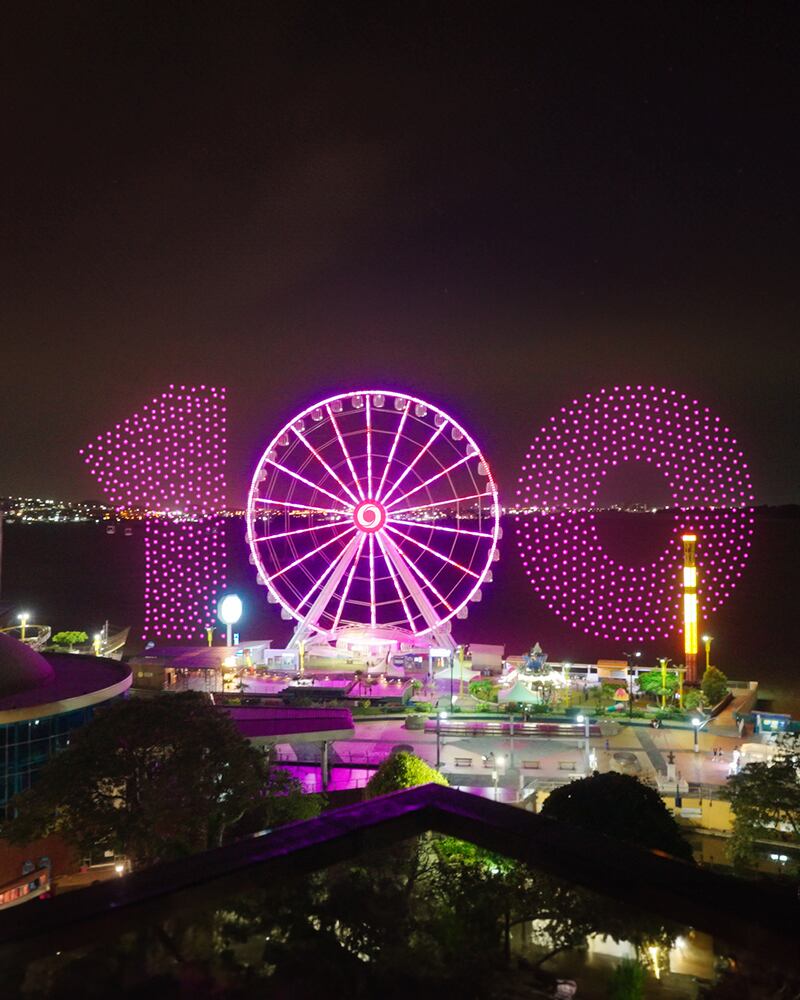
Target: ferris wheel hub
<point x="369" y="516"/>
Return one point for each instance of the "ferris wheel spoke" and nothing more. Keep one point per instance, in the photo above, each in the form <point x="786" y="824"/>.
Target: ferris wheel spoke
<point x="325" y="465"/>
<point x="403" y="563"/>
<point x="313" y="552"/>
<point x="433" y="552"/>
<point x="372" y="605"/>
<point x="345" y="452"/>
<point x="302" y="531"/>
<point x="441" y="503"/>
<point x="393" y="574"/>
<point x="348" y="583"/>
<point x="442" y="472"/>
<point x="417" y="457"/>
<point x="393" y="449"/>
<point x="294" y="505"/>
<point x="314" y="486"/>
<point x="335" y="571"/>
<point x="440" y="527"/>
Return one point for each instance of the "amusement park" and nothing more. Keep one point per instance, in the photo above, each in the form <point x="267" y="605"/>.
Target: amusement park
<point x="374" y="528"/>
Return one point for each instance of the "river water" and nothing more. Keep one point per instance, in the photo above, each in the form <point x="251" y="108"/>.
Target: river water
<point x="76" y="576"/>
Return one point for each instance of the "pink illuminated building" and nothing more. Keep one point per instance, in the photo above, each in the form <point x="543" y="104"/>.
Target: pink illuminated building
<point x="168" y="460"/>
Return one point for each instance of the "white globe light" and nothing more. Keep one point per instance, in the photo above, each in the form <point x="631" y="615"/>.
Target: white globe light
<point x="230" y="609"/>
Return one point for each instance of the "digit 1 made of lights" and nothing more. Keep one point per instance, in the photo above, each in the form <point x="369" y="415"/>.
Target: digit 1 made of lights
<point x="165" y="465"/>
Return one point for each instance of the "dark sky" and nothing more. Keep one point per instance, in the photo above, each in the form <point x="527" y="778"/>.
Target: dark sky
<point x="498" y="206"/>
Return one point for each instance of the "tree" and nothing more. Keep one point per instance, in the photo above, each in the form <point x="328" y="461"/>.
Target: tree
<point x="765" y="799"/>
<point x="693" y="699"/>
<point x="402" y="770"/>
<point x="149" y="780"/>
<point x="652" y="682"/>
<point x="714" y="685"/>
<point x="483" y="690"/>
<point x="621" y="807"/>
<point x="70" y="639"/>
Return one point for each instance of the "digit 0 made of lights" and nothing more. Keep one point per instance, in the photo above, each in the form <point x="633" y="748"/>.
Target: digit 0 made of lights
<point x="557" y="523"/>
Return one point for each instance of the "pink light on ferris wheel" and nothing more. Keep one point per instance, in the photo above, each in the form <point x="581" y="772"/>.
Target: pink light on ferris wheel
<point x="340" y="464"/>
<point x="557" y="537"/>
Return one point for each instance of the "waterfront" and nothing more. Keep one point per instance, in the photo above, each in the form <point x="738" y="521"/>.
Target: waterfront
<point x="77" y="575"/>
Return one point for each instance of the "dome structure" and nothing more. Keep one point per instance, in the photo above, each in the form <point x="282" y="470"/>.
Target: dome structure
<point x="21" y="668"/>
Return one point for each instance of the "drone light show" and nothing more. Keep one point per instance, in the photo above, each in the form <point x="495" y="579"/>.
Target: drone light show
<point x="168" y="460"/>
<point x="711" y="498"/>
<point x="376" y="509"/>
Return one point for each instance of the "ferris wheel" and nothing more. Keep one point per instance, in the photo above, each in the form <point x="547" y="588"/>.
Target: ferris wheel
<point x="373" y="509"/>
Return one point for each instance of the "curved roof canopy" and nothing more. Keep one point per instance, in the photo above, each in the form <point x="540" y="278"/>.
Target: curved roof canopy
<point x="21" y="668"/>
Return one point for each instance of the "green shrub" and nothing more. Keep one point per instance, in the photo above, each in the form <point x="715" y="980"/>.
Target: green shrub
<point x="714" y="685"/>
<point x="628" y="981"/>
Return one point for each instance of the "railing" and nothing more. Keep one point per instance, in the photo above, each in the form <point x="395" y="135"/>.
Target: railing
<point x="470" y="727"/>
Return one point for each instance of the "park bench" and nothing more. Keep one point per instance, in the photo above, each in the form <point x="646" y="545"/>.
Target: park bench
<point x="566" y="765"/>
<point x="531" y="765"/>
<point x="463" y="762"/>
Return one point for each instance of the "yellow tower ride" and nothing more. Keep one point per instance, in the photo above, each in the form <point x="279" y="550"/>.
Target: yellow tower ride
<point x="690" y="607"/>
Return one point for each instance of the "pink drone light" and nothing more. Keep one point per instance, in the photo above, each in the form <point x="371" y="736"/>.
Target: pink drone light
<point x="373" y="509"/>
<point x="168" y="461"/>
<point x="558" y="538"/>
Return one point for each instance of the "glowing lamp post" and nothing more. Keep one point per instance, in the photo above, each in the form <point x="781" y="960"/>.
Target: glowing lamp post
<point x="500" y="763"/>
<point x="229" y="612"/>
<point x="23" y="621"/>
<point x="696" y="723"/>
<point x="632" y="658"/>
<point x="585" y="720"/>
<point x="440" y="716"/>
<point x="707" y="643"/>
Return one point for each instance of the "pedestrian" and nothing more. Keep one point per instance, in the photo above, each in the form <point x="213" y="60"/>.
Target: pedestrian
<point x="606" y="744"/>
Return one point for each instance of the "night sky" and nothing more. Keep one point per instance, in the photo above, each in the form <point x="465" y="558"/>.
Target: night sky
<point x="498" y="206"/>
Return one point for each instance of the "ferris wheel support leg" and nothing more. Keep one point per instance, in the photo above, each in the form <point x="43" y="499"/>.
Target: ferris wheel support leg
<point x="439" y="632"/>
<point x="309" y="623"/>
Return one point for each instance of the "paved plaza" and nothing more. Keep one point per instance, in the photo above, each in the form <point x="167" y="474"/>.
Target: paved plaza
<point x="525" y="761"/>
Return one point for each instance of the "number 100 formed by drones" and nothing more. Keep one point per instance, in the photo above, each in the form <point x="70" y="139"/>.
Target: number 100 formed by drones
<point x="557" y="536"/>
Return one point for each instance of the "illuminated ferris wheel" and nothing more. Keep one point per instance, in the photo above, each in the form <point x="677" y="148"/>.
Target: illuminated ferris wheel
<point x="376" y="510"/>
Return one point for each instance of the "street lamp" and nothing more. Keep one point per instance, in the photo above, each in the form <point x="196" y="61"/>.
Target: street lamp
<point x="696" y="723"/>
<point x="229" y="612"/>
<point x="707" y="643"/>
<point x="440" y="716"/>
<point x="499" y="763"/>
<point x="585" y="720"/>
<point x="23" y="620"/>
<point x="565" y="669"/>
<point x="631" y="657"/>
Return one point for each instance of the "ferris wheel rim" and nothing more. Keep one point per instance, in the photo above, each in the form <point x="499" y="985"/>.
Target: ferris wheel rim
<point x="345" y="508"/>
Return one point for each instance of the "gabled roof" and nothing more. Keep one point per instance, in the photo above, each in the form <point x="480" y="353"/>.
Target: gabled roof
<point x="750" y="916"/>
